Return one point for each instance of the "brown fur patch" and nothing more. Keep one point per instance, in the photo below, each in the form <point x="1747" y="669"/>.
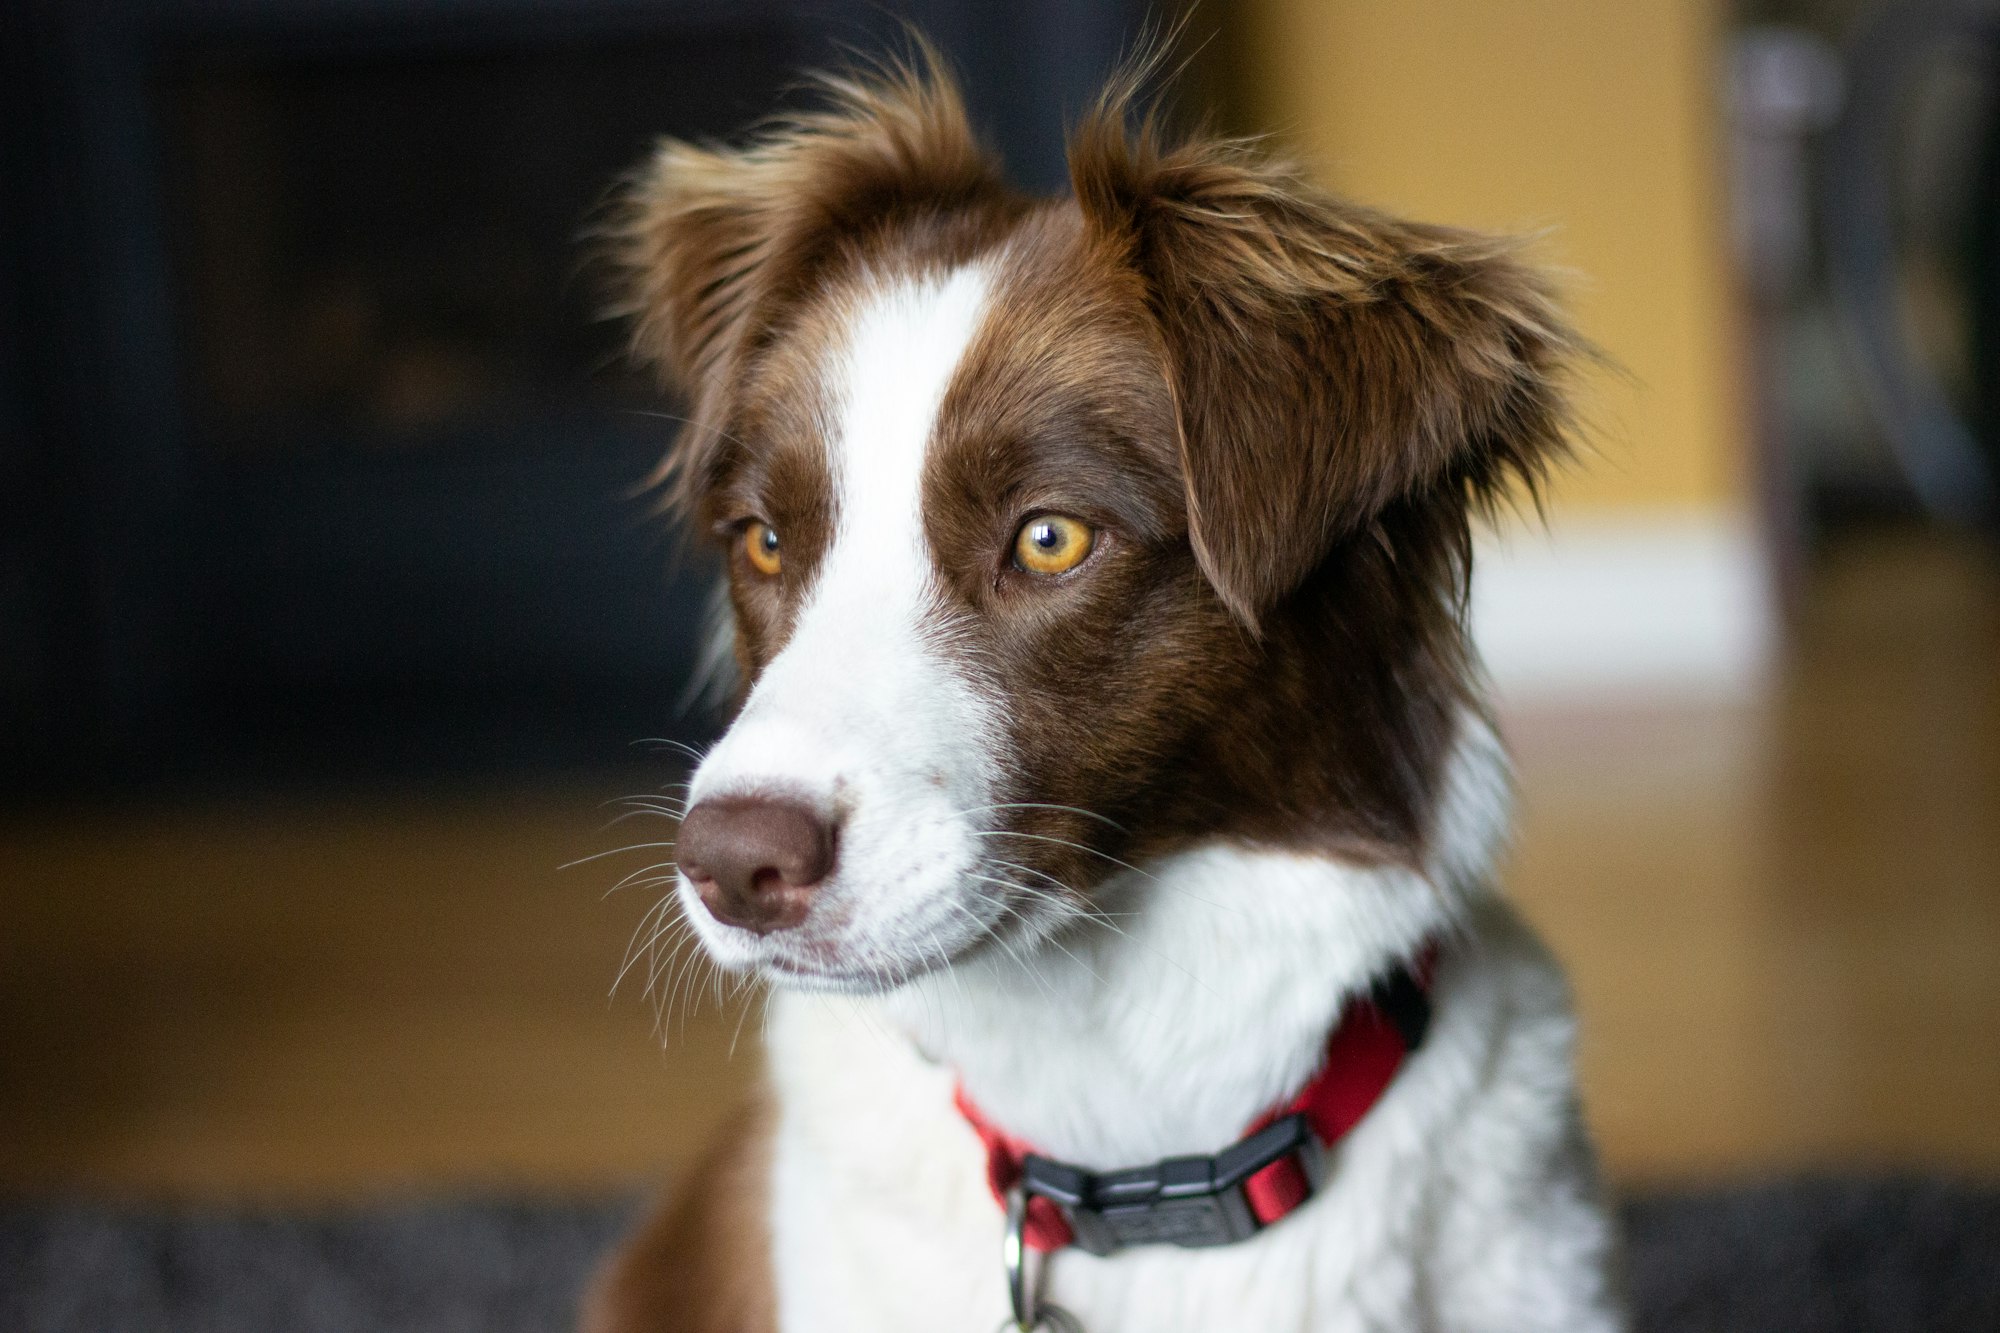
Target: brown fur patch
<point x="1326" y="361"/>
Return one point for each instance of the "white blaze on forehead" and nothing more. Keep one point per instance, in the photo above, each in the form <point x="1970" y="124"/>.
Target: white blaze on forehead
<point x="858" y="639"/>
<point x="905" y="344"/>
<point x="863" y="711"/>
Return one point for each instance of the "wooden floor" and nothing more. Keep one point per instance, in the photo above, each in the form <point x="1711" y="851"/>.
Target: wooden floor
<point x="1783" y="922"/>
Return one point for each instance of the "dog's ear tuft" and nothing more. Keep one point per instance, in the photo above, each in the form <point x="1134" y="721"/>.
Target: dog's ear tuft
<point x="1326" y="362"/>
<point x="708" y="243"/>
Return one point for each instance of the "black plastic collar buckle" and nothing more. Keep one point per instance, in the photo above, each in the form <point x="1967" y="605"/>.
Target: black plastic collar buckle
<point x="1186" y="1201"/>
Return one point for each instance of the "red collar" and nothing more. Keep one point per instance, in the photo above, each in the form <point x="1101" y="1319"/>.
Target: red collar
<point x="1274" y="1168"/>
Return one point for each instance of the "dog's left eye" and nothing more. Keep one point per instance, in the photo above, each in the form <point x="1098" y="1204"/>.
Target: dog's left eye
<point x="760" y="545"/>
<point x="1052" y="544"/>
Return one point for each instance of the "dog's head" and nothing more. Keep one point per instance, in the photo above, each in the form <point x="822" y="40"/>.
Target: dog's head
<point x="1061" y="534"/>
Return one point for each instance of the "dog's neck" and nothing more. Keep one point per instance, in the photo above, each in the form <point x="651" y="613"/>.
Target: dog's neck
<point x="1206" y="993"/>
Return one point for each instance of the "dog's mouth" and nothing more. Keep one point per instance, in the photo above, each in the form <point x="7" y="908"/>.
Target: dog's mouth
<point x="847" y="979"/>
<point x="814" y="966"/>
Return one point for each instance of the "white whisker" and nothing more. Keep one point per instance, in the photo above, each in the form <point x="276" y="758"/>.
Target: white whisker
<point x="615" y="851"/>
<point x="1044" y="805"/>
<point x="1063" y="842"/>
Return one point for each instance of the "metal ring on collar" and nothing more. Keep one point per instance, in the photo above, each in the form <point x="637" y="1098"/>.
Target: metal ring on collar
<point x="1029" y="1314"/>
<point x="1014" y="1256"/>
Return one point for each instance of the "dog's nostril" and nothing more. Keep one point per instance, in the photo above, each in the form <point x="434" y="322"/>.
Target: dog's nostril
<point x="756" y="860"/>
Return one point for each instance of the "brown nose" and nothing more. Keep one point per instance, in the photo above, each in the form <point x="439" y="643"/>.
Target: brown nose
<point x="755" y="860"/>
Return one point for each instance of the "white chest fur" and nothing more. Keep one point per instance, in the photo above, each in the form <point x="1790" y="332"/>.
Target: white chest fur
<point x="1466" y="1198"/>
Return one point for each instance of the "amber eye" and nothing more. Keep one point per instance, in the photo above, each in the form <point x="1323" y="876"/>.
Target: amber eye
<point x="1052" y="544"/>
<point x="760" y="544"/>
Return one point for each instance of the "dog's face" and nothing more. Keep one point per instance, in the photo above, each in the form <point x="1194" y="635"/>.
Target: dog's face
<point x="1062" y="534"/>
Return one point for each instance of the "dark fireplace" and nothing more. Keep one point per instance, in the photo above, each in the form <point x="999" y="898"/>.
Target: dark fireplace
<point x="318" y="457"/>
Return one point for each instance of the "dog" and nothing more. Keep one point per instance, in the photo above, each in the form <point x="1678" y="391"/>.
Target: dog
<point x="1111" y="801"/>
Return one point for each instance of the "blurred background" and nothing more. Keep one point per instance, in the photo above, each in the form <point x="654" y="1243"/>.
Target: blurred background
<point x="334" y="619"/>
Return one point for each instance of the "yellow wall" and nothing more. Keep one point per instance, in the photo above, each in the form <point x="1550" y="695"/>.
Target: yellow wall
<point x="1597" y="119"/>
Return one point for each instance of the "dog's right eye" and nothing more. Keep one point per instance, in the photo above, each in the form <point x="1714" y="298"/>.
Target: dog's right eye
<point x="1052" y="544"/>
<point x="760" y="546"/>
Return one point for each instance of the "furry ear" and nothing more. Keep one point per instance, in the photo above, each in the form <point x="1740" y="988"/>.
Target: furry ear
<point x="711" y="243"/>
<point x="1326" y="362"/>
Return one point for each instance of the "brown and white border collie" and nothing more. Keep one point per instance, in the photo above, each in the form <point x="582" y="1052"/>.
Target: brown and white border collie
<point x="1097" y="569"/>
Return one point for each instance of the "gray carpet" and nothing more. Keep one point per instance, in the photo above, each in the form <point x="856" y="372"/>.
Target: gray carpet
<point x="1818" y="1256"/>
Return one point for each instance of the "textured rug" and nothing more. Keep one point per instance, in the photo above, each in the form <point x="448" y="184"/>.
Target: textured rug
<point x="1792" y="1257"/>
